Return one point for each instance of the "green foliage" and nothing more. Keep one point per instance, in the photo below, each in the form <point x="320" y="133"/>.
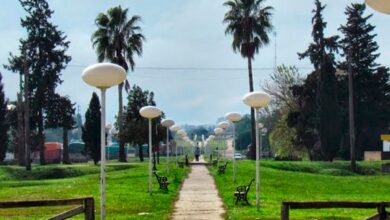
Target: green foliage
<point x="243" y="133"/>
<point x="4" y="126"/>
<point x="282" y="140"/>
<point x="250" y="23"/>
<point x="302" y="181"/>
<point x="317" y="119"/>
<point x="136" y="127"/>
<point x="43" y="55"/>
<point x="371" y="87"/>
<point x="60" y="113"/>
<point x="91" y="129"/>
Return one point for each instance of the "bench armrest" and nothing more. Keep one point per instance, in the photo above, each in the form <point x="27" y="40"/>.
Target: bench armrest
<point x="241" y="189"/>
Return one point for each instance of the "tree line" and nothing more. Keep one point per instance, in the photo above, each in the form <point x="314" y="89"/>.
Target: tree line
<point x="42" y="58"/>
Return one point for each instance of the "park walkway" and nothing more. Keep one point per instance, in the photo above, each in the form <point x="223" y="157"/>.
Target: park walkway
<point x="198" y="198"/>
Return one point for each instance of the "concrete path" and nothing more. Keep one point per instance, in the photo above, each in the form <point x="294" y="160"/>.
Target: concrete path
<point x="198" y="198"/>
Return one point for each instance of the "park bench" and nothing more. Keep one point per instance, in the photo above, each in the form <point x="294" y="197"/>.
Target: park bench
<point x="222" y="168"/>
<point x="181" y="164"/>
<point x="242" y="192"/>
<point x="162" y="181"/>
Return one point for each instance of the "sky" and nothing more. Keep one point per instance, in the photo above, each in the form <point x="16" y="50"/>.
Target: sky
<point x="187" y="60"/>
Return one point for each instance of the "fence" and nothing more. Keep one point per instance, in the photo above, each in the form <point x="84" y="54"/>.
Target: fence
<point x="85" y="205"/>
<point x="380" y="206"/>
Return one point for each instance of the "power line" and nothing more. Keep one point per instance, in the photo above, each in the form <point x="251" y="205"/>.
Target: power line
<point x="194" y="68"/>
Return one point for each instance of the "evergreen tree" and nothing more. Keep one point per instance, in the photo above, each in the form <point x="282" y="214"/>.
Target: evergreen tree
<point x="371" y="91"/>
<point x="60" y="114"/>
<point x="91" y="129"/>
<point x="321" y="54"/>
<point x="3" y="122"/>
<point x="136" y="127"/>
<point x="44" y="53"/>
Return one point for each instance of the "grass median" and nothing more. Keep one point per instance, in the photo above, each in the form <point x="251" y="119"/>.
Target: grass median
<point x="303" y="181"/>
<point x="127" y="194"/>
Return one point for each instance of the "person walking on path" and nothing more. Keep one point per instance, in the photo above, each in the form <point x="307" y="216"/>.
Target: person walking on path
<point x="197" y="153"/>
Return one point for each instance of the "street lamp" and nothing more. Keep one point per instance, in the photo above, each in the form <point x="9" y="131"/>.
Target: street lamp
<point x="103" y="76"/>
<point x="234" y="117"/>
<point x="175" y="128"/>
<point x="379" y="5"/>
<point x="257" y="100"/>
<point x="150" y="112"/>
<point x="167" y="123"/>
<point x="224" y="125"/>
<point x="218" y="132"/>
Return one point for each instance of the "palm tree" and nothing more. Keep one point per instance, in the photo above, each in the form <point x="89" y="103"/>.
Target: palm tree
<point x="117" y="39"/>
<point x="249" y="23"/>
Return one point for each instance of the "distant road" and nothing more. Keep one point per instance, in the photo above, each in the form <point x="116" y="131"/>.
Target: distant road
<point x="229" y="151"/>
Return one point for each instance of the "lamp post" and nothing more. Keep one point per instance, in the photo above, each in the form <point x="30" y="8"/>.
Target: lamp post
<point x="218" y="131"/>
<point x="103" y="76"/>
<point x="175" y="128"/>
<point x="234" y="117"/>
<point x="224" y="125"/>
<point x="257" y="100"/>
<point x="150" y="112"/>
<point x="167" y="123"/>
<point x="379" y="5"/>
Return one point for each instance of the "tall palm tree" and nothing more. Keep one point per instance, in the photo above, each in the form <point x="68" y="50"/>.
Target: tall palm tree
<point x="117" y="39"/>
<point x="249" y="23"/>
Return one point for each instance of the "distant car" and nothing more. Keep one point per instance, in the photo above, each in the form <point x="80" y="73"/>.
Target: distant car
<point x="238" y="156"/>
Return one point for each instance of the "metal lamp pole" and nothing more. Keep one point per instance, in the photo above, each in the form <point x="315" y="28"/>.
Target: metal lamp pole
<point x="257" y="100"/>
<point x="103" y="76"/>
<point x="150" y="112"/>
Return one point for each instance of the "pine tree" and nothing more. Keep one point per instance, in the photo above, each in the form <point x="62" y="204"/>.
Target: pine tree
<point x="3" y="122"/>
<point x="371" y="99"/>
<point x="91" y="129"/>
<point x="321" y="54"/>
<point x="44" y="53"/>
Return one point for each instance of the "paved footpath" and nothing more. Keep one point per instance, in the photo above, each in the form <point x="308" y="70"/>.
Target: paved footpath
<point x="198" y="198"/>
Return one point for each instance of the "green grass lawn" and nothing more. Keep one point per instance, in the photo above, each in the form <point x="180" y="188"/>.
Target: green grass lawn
<point x="127" y="189"/>
<point x="303" y="181"/>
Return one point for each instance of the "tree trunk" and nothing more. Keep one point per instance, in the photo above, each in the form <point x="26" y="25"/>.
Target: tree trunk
<point x="27" y="139"/>
<point x="65" y="152"/>
<point x="141" y="153"/>
<point x="122" y="153"/>
<point x="41" y="139"/>
<point x="351" y="115"/>
<point x="252" y="150"/>
<point x="20" y="147"/>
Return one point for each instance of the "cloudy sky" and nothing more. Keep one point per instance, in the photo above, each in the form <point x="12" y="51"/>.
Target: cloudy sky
<point x="187" y="61"/>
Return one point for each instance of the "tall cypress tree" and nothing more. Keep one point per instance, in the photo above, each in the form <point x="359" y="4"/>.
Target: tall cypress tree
<point x="3" y="122"/>
<point x="44" y="52"/>
<point x="91" y="129"/>
<point x="370" y="82"/>
<point x="321" y="54"/>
